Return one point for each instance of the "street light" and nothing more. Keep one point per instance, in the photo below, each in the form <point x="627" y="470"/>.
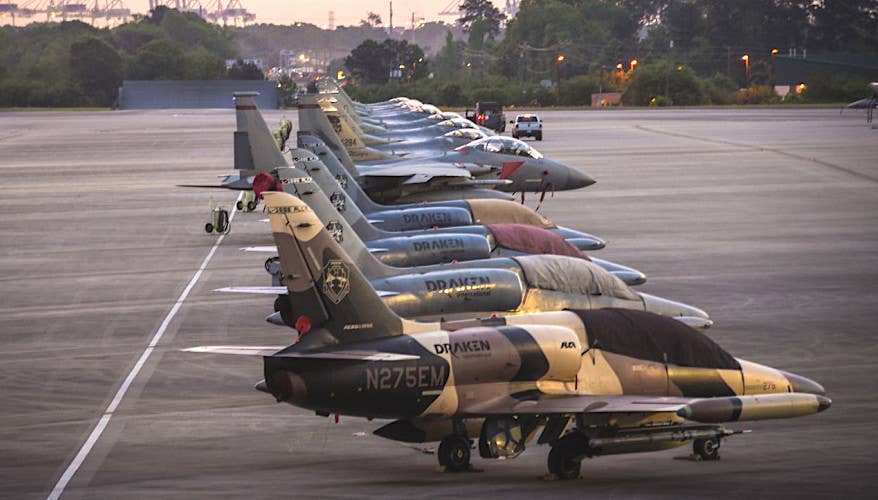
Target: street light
<point x="633" y="64"/>
<point x="774" y="52"/>
<point x="560" y="58"/>
<point x="746" y="59"/>
<point x="619" y="66"/>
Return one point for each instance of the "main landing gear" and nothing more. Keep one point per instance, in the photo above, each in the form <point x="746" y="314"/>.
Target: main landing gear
<point x="454" y="453"/>
<point x="707" y="448"/>
<point x="565" y="458"/>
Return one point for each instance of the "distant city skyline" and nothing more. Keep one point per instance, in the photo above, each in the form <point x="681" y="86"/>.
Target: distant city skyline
<point x="345" y="12"/>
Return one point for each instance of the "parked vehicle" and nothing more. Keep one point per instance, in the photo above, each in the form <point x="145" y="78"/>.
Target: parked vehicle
<point x="488" y="114"/>
<point x="527" y="125"/>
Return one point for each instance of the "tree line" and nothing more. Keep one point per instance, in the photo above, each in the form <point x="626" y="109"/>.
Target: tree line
<point x="656" y="52"/>
<point x="75" y="64"/>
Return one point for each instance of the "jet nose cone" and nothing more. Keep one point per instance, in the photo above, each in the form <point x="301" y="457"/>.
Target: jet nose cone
<point x="799" y="383"/>
<point x="823" y="403"/>
<point x="587" y="243"/>
<point x="691" y="315"/>
<point x="577" y="179"/>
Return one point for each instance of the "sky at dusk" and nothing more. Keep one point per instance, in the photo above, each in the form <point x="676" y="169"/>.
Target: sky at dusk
<point x="347" y="12"/>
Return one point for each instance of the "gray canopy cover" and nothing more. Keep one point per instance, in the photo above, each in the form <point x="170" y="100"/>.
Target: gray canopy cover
<point x="572" y="275"/>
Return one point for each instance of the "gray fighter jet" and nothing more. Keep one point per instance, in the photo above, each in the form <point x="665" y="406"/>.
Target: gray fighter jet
<point x="597" y="382"/>
<point x="513" y="166"/>
<point x="469" y="239"/>
<point x="869" y="103"/>
<point x="507" y="285"/>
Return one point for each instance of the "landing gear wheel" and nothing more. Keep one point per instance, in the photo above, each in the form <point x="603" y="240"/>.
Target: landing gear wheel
<point x="540" y="136"/>
<point x="563" y="461"/>
<point x="251" y="206"/>
<point x="208" y="228"/>
<point x="707" y="448"/>
<point x="240" y="205"/>
<point x="454" y="453"/>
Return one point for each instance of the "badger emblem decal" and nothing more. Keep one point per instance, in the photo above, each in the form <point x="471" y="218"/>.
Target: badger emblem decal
<point x="342" y="181"/>
<point x="335" y="229"/>
<point x="338" y="200"/>
<point x="336" y="282"/>
<point x="336" y="123"/>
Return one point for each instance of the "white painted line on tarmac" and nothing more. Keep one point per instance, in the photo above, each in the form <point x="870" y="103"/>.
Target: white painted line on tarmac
<point x="123" y="389"/>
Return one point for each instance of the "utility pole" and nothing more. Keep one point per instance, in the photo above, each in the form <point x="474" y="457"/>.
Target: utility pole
<point x="391" y="18"/>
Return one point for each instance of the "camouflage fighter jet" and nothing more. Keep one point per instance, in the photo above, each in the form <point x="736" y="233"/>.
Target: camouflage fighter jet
<point x="869" y="103"/>
<point x="597" y="382"/>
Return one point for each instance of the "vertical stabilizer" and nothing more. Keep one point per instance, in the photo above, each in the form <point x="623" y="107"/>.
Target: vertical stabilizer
<point x="326" y="288"/>
<point x="252" y="131"/>
<point x="300" y="181"/>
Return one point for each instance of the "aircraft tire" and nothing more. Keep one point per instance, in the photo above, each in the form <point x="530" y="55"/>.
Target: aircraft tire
<point x="707" y="448"/>
<point x="240" y="205"/>
<point x="454" y="453"/>
<point x="208" y="228"/>
<point x="539" y="136"/>
<point x="563" y="461"/>
<point x="251" y="206"/>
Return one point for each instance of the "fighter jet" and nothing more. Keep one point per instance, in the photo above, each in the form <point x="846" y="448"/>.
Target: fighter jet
<point x="598" y="382"/>
<point x="497" y="285"/>
<point x="869" y="103"/>
<point x="253" y="139"/>
<point x="513" y="166"/>
<point x="421" y="215"/>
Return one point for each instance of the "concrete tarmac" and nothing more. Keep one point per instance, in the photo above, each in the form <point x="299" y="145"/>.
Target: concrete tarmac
<point x="766" y="218"/>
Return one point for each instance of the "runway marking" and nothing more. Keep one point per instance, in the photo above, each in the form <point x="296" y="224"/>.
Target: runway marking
<point x="760" y="148"/>
<point x="123" y="389"/>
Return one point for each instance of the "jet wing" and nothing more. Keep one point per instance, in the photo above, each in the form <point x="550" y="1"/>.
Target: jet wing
<point x="356" y="355"/>
<point x="278" y="290"/>
<point x="425" y="171"/>
<point x="557" y="405"/>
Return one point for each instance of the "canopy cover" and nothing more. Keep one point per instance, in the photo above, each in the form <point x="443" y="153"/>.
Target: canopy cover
<point x="532" y="240"/>
<point x="651" y="337"/>
<point x="502" y="211"/>
<point x="572" y="275"/>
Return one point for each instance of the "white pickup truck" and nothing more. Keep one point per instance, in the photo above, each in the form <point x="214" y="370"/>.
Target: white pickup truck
<point x="527" y="125"/>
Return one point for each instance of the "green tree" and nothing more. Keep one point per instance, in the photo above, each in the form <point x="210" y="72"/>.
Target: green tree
<point x="245" y="71"/>
<point x="678" y="83"/>
<point x="372" y="62"/>
<point x="448" y="61"/>
<point x="480" y="18"/>
<point x="159" y="59"/>
<point x="97" y="68"/>
<point x="372" y="20"/>
<point x="202" y="64"/>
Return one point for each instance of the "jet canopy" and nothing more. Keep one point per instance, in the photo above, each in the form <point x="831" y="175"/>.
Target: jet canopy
<point x="430" y="109"/>
<point x="504" y="146"/>
<point x="466" y="133"/>
<point x="457" y="123"/>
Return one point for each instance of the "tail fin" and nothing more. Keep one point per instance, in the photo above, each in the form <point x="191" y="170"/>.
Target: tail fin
<point x="255" y="147"/>
<point x="333" y="215"/>
<point x="326" y="289"/>
<point x="348" y="184"/>
<point x="313" y="119"/>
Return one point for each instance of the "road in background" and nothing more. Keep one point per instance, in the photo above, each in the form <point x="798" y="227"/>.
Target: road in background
<point x="766" y="218"/>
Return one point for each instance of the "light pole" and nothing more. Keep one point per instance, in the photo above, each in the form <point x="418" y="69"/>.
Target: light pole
<point x="746" y="59"/>
<point x="558" y="61"/>
<point x="633" y="64"/>
<point x="773" y="76"/>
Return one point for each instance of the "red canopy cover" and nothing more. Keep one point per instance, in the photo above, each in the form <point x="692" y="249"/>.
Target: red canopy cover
<point x="533" y="240"/>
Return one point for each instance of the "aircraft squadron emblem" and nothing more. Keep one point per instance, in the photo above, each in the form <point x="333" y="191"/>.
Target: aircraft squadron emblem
<point x="338" y="200"/>
<point x="342" y="181"/>
<point x="335" y="229"/>
<point x="336" y="282"/>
